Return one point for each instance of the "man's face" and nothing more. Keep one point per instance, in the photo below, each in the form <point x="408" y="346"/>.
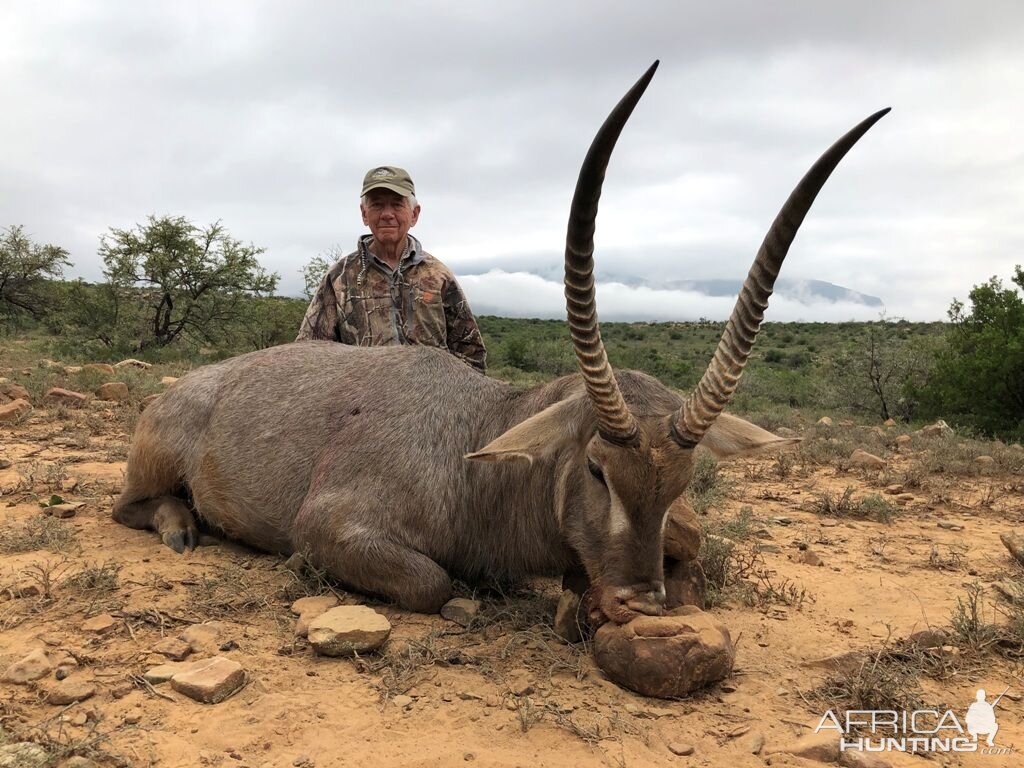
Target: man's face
<point x="388" y="215"/>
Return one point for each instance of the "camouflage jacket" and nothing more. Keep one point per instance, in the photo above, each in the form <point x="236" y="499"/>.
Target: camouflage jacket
<point x="361" y="301"/>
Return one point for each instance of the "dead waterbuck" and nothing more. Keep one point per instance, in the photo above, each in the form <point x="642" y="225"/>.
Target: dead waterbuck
<point x="394" y="468"/>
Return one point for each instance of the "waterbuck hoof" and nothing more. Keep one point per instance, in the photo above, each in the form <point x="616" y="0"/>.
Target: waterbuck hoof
<point x="665" y="656"/>
<point x="181" y="540"/>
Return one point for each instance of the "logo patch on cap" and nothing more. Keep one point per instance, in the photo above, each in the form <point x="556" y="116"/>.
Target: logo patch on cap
<point x="383" y="173"/>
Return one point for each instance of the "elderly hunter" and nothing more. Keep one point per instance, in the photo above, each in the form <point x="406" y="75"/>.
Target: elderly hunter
<point x="391" y="291"/>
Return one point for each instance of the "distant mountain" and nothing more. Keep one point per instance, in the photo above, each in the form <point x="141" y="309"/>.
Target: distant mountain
<point x="806" y="291"/>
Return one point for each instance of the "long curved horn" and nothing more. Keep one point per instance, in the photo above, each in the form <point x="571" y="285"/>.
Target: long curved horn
<point x="614" y="421"/>
<point x="718" y="383"/>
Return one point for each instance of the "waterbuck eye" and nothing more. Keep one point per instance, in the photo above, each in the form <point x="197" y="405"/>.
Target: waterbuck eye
<point x="595" y="470"/>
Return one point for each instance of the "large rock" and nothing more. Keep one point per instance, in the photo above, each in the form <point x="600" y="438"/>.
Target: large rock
<point x="1014" y="545"/>
<point x="938" y="429"/>
<point x="68" y="691"/>
<point x="65" y="397"/>
<point x="348" y="629"/>
<point x="14" y="411"/>
<point x="210" y="681"/>
<point x="825" y="421"/>
<point x="100" y="625"/>
<point x="665" y="656"/>
<point x="9" y="391"/>
<point x="112" y="390"/>
<point x="861" y="459"/>
<point x="682" y="531"/>
<point x="206" y="638"/>
<point x="461" y="610"/>
<point x="32" y="667"/>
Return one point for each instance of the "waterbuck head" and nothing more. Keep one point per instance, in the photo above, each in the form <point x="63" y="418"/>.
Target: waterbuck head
<point x="623" y="445"/>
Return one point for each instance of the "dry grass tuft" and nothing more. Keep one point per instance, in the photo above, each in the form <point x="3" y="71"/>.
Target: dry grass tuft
<point x="35" y="533"/>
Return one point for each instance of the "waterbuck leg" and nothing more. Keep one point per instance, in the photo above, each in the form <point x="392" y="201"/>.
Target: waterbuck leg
<point x="167" y="515"/>
<point x="367" y="562"/>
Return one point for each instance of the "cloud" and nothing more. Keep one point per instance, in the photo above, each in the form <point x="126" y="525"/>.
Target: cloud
<point x="521" y="294"/>
<point x="266" y="115"/>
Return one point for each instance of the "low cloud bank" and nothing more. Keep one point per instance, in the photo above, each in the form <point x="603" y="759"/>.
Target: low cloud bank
<point x="522" y="294"/>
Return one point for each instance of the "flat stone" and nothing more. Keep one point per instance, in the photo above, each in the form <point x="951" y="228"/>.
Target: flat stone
<point x="173" y="648"/>
<point x="822" y="747"/>
<point x="106" y="368"/>
<point x="65" y="510"/>
<point x="894" y="490"/>
<point x="206" y="638"/>
<point x="949" y="526"/>
<point x="569" y="620"/>
<point x="211" y="680"/>
<point x="15" y="411"/>
<point x="348" y="629"/>
<point x="34" y="666"/>
<point x="889" y="423"/>
<point x="77" y="761"/>
<point x="164" y="672"/>
<point x="168" y="380"/>
<point x="665" y="656"/>
<point x="401" y="701"/>
<point x="681" y="748"/>
<point x="100" y="625"/>
<point x="5" y="463"/>
<point x="131" y="362"/>
<point x="825" y="421"/>
<point x="116" y="391"/>
<point x="861" y="459"/>
<point x="68" y="691"/>
<point x="65" y="397"/>
<point x="461" y="610"/>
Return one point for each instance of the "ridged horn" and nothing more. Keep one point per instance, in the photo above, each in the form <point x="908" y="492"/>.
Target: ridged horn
<point x="614" y="420"/>
<point x="719" y="381"/>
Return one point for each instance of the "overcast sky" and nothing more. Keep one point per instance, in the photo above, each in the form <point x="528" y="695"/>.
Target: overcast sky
<point x="267" y="115"/>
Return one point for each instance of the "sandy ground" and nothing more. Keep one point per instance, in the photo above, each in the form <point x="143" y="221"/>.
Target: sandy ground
<point x="878" y="582"/>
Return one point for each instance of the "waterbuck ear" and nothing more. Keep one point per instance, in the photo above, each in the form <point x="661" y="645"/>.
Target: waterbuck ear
<point x="732" y="436"/>
<point x="540" y="435"/>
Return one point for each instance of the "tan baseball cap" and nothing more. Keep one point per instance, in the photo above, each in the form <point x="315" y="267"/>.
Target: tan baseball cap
<point x="388" y="177"/>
